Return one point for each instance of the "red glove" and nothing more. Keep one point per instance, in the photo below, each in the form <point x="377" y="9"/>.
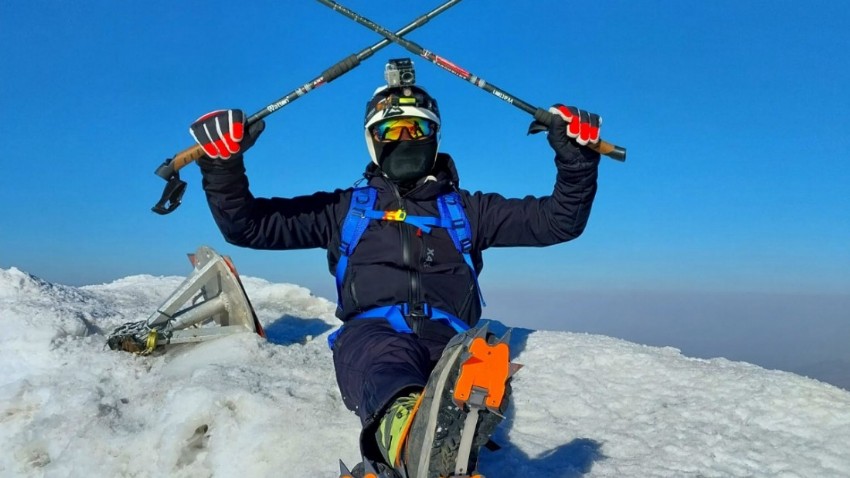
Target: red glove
<point x="582" y="126"/>
<point x="220" y="132"/>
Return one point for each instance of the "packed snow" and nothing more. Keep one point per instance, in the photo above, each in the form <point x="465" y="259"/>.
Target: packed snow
<point x="243" y="406"/>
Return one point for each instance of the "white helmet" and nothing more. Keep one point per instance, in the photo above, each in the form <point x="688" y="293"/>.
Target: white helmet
<point x="388" y="102"/>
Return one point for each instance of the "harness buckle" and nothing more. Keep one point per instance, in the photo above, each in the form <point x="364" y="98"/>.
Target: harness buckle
<point x="343" y="247"/>
<point x="417" y="316"/>
<point x="397" y="215"/>
<point x="419" y="309"/>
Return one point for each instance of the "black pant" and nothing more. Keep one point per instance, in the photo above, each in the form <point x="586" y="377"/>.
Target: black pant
<point x="374" y="363"/>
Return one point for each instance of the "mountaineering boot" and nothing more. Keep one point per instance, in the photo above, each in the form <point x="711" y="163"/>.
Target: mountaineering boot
<point x="390" y="437"/>
<point x="465" y="399"/>
<point x="394" y="427"/>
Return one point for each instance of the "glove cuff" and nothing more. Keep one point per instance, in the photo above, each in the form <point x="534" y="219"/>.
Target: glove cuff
<point x="234" y="164"/>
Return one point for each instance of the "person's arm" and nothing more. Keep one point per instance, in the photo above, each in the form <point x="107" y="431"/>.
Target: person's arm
<point x="559" y="217"/>
<point x="259" y="223"/>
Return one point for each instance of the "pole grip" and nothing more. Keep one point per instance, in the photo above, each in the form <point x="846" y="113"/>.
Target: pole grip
<point x="341" y="68"/>
<point x="169" y="168"/>
<point x="602" y="147"/>
<point x="187" y="156"/>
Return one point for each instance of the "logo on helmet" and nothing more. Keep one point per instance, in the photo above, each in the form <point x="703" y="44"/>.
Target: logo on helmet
<point x="389" y="107"/>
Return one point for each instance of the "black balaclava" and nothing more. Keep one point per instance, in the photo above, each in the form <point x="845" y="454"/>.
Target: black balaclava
<point x="405" y="162"/>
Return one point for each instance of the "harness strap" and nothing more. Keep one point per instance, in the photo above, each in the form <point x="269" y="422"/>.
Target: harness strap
<point x="396" y="316"/>
<point x="360" y="212"/>
<point x="453" y="219"/>
<point x="425" y="223"/>
<point x="355" y="224"/>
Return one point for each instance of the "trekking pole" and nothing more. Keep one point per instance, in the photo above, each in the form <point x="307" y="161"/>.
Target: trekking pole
<point x="175" y="187"/>
<point x="540" y="115"/>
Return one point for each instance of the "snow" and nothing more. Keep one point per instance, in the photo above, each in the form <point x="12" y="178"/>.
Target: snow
<point x="240" y="406"/>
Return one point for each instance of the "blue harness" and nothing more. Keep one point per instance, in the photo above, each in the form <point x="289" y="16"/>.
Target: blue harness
<point x="362" y="210"/>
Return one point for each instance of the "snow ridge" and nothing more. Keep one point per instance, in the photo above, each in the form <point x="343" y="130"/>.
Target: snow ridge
<point x="584" y="405"/>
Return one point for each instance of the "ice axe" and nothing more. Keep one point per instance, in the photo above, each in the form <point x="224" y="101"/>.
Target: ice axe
<point x="169" y="170"/>
<point x="540" y="115"/>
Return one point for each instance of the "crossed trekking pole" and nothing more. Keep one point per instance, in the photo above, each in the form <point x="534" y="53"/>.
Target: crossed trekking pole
<point x="169" y="170"/>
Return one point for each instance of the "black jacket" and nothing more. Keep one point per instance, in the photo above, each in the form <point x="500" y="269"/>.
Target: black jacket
<point x="394" y="262"/>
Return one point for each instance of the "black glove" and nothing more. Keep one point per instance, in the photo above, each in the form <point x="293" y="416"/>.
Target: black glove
<point x="570" y="129"/>
<point x="222" y="133"/>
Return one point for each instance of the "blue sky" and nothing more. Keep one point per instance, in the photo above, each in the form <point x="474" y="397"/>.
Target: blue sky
<point x="735" y="115"/>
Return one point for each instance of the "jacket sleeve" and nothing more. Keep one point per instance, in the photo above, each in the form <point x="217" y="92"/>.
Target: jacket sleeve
<point x="265" y="223"/>
<point x="540" y="221"/>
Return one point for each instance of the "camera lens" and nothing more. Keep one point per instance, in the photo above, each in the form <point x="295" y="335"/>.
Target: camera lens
<point x="408" y="77"/>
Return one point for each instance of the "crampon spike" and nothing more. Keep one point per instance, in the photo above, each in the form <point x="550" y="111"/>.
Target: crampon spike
<point x="507" y="337"/>
<point x="516" y="367"/>
<point x="370" y="470"/>
<point x="482" y="331"/>
<point x="344" y="472"/>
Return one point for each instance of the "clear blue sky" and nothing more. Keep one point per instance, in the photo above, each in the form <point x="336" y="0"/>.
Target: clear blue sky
<point x="735" y="115"/>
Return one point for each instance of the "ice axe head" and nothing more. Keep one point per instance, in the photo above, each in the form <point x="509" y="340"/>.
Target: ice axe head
<point x="174" y="189"/>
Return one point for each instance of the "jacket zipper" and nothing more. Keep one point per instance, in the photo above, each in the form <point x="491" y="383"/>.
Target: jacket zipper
<point x="407" y="256"/>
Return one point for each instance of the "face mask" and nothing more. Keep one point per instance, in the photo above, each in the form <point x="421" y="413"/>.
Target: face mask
<point x="404" y="162"/>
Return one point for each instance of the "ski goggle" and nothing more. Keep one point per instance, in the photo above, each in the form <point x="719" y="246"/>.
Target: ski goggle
<point x="394" y="129"/>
